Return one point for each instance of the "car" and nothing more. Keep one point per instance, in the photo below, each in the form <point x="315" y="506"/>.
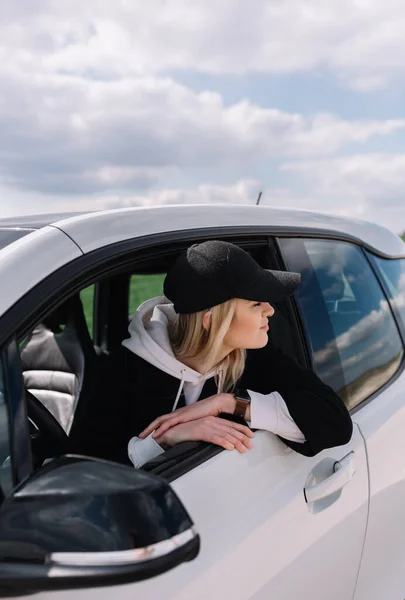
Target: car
<point x="198" y="522"/>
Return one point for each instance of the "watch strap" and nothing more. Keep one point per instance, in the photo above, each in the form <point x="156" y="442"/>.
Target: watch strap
<point x="240" y="407"/>
<point x="242" y="399"/>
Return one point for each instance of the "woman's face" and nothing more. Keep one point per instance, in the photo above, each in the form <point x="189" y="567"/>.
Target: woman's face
<point x="249" y="326"/>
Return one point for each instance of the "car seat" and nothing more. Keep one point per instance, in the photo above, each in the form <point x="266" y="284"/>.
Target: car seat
<point x="58" y="361"/>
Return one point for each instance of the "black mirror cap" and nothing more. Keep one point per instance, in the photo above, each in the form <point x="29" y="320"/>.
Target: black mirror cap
<point x="80" y="522"/>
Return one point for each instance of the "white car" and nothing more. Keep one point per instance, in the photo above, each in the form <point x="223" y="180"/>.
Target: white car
<point x="199" y="522"/>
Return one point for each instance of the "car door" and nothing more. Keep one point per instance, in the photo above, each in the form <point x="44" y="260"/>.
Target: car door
<point x="357" y="348"/>
<point x="272" y="524"/>
<point x="382" y="423"/>
<point x="76" y="521"/>
<point x="259" y="537"/>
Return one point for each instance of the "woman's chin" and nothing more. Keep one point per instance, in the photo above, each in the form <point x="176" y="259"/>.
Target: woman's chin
<point x="265" y="341"/>
<point x="261" y="342"/>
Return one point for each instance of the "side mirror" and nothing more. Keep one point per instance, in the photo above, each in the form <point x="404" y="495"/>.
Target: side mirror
<point x="80" y="522"/>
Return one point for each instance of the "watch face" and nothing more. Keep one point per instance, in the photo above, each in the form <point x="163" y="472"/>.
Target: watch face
<point x="243" y="395"/>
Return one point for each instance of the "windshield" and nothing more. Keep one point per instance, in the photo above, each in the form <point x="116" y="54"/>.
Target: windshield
<point x="7" y="236"/>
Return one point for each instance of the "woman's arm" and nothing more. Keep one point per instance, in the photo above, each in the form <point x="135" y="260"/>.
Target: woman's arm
<point x="266" y="411"/>
<point x="288" y="400"/>
<point x="227" y="434"/>
<point x="315" y="408"/>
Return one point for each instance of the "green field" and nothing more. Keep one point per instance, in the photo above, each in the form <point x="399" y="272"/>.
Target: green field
<point x="142" y="287"/>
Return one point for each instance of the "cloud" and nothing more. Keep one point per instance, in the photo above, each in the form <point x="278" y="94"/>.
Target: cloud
<point x="366" y="186"/>
<point x="376" y="178"/>
<point x="242" y="192"/>
<point x="91" y="113"/>
<point x="362" y="43"/>
<point x="68" y="135"/>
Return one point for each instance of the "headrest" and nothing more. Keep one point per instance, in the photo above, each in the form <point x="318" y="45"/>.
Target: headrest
<point x="63" y="313"/>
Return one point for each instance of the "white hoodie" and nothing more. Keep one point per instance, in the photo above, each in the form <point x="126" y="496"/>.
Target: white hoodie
<point x="149" y="340"/>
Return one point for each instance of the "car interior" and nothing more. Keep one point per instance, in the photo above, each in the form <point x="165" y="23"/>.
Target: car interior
<point x="65" y="357"/>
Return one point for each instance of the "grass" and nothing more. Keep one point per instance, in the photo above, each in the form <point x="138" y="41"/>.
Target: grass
<point x="142" y="287"/>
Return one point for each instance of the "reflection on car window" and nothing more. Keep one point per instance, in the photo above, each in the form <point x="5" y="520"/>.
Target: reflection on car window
<point x="393" y="272"/>
<point x="6" y="479"/>
<point x="143" y="287"/>
<point x="356" y="346"/>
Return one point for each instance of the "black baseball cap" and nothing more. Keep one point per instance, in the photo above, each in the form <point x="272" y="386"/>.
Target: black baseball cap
<point x="213" y="272"/>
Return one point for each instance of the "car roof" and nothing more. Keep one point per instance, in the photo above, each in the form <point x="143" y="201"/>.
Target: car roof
<point x="92" y="230"/>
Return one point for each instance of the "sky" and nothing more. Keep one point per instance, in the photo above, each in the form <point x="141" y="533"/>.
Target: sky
<point x="113" y="104"/>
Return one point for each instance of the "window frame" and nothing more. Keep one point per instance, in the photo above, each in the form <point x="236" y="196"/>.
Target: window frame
<point x="307" y="339"/>
<point x="376" y="268"/>
<point x="124" y="256"/>
<point x="113" y="260"/>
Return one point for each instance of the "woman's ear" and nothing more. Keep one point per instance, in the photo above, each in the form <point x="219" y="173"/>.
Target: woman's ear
<point x="206" y="322"/>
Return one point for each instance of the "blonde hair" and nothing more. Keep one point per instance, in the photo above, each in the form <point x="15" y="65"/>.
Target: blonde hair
<point x="190" y="340"/>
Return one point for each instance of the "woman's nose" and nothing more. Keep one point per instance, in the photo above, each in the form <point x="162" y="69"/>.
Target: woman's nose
<point x="268" y="310"/>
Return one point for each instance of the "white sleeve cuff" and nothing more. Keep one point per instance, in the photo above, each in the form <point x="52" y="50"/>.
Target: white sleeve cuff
<point x="142" y="450"/>
<point x="270" y="412"/>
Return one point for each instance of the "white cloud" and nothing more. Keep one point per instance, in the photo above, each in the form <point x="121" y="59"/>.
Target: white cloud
<point x="64" y="134"/>
<point x="368" y="175"/>
<point x="242" y="192"/>
<point x="361" y="41"/>
<point x="366" y="83"/>
<point x="369" y="186"/>
<point x="312" y="192"/>
<point x="91" y="114"/>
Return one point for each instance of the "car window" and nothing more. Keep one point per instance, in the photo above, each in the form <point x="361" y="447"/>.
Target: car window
<point x="393" y="273"/>
<point x="6" y="478"/>
<point x="143" y="287"/>
<point x="355" y="344"/>
<point x="87" y="298"/>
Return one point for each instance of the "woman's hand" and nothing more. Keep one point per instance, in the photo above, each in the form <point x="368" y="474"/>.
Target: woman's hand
<point x="209" y="407"/>
<point x="227" y="434"/>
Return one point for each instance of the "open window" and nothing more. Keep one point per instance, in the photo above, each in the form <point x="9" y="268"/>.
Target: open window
<point x="72" y="339"/>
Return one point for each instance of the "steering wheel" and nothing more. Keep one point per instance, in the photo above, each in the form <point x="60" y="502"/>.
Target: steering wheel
<point x="48" y="438"/>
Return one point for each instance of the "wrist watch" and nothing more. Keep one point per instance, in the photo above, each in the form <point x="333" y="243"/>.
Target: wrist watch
<point x="243" y="400"/>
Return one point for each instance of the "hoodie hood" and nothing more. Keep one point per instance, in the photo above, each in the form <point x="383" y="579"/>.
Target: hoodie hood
<point x="149" y="339"/>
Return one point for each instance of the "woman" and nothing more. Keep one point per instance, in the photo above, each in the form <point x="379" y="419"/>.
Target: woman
<point x="194" y="349"/>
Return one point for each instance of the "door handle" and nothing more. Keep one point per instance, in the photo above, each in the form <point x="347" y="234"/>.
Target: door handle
<point x="344" y="470"/>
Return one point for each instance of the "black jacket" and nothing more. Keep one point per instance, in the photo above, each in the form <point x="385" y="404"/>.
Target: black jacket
<point x="136" y="392"/>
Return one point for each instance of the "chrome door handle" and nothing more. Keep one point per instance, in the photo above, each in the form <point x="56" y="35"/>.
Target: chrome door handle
<point x="344" y="470"/>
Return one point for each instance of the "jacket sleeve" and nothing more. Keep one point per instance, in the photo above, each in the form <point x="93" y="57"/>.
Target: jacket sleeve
<point x="270" y="412"/>
<point x="317" y="410"/>
<point x="142" y="450"/>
